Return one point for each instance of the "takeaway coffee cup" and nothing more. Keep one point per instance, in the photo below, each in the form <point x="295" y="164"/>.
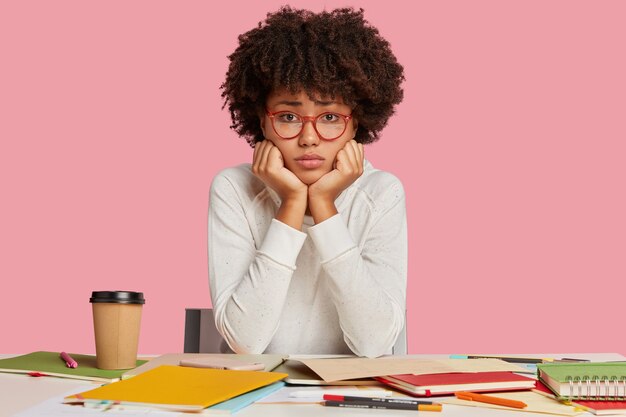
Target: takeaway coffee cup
<point x="116" y="323"/>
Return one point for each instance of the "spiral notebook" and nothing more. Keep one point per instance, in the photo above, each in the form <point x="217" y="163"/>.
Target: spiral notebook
<point x="598" y="381"/>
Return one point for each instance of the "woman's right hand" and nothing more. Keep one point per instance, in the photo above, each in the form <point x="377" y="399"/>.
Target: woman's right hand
<point x="269" y="166"/>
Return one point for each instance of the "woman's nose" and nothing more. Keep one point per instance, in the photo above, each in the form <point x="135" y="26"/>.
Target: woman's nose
<point x="308" y="136"/>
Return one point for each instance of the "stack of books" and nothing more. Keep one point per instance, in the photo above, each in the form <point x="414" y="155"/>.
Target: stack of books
<point x="158" y="383"/>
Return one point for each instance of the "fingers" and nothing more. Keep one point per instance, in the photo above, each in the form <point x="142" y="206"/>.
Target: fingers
<point x="358" y="151"/>
<point x="275" y="157"/>
<point x="350" y="159"/>
<point x="265" y="154"/>
<point x="268" y="165"/>
<point x="256" y="156"/>
<point x="264" y="157"/>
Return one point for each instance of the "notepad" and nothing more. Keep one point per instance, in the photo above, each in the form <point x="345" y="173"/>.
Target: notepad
<point x="50" y="364"/>
<point x="600" y="381"/>
<point x="178" y="388"/>
<point x="446" y="384"/>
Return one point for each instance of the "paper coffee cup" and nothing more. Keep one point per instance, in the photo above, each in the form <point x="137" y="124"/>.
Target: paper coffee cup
<point x="116" y="322"/>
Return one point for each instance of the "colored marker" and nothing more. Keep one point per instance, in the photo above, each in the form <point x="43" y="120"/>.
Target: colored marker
<point x="472" y="396"/>
<point x="377" y="400"/>
<point x="69" y="362"/>
<point x="383" y="406"/>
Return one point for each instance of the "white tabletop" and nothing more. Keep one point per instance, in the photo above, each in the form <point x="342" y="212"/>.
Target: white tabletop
<point x="20" y="392"/>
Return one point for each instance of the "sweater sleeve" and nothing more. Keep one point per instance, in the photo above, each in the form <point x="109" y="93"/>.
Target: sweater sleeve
<point x="248" y="280"/>
<point x="368" y="281"/>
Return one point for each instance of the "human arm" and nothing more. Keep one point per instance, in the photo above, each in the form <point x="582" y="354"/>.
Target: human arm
<point x="249" y="272"/>
<point x="367" y="277"/>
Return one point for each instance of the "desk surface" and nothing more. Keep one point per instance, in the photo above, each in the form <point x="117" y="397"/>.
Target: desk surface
<point x="20" y="392"/>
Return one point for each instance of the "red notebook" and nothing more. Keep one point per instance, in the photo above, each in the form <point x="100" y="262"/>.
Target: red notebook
<point x="602" y="407"/>
<point x="446" y="384"/>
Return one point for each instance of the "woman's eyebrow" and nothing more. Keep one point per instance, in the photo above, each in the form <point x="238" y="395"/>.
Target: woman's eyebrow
<point x="325" y="102"/>
<point x="290" y="103"/>
<point x="296" y="103"/>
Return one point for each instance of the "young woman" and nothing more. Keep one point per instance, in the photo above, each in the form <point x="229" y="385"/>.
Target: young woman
<point x="307" y="245"/>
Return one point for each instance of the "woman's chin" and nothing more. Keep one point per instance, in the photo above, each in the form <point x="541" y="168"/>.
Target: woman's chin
<point x="310" y="177"/>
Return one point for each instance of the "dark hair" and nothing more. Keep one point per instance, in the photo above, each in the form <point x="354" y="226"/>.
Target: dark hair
<point x="335" y="53"/>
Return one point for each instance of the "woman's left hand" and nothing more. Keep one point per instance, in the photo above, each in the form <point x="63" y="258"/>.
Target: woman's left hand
<point x="348" y="167"/>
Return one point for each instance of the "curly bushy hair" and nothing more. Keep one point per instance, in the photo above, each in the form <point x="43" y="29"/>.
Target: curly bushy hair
<point x="335" y="53"/>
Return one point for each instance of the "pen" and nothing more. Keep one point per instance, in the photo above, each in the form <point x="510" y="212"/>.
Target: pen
<point x="510" y="359"/>
<point x="69" y="362"/>
<point x="378" y="400"/>
<point x="382" y="406"/>
<point x="472" y="396"/>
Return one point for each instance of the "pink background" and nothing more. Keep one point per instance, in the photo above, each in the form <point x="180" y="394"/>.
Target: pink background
<point x="510" y="143"/>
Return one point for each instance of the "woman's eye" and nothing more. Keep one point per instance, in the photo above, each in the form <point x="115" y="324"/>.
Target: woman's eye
<point x="330" y="117"/>
<point x="287" y="117"/>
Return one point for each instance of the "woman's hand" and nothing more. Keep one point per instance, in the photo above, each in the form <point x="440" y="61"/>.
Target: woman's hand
<point x="348" y="167"/>
<point x="269" y="166"/>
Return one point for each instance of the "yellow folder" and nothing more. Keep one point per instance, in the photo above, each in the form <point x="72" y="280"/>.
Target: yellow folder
<point x="178" y="388"/>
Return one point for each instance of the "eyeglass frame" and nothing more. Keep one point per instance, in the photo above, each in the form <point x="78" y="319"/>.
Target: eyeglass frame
<point x="312" y="119"/>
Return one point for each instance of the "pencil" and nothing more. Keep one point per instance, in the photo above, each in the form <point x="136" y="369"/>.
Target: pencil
<point x="472" y="396"/>
<point x="382" y="406"/>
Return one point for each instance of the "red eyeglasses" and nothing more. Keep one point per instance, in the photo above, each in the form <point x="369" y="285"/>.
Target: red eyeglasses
<point x="327" y="125"/>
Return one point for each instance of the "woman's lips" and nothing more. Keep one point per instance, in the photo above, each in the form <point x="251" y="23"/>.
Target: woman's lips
<point x="310" y="161"/>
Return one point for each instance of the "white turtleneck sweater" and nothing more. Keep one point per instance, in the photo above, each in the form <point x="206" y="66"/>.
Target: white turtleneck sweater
<point x="335" y="287"/>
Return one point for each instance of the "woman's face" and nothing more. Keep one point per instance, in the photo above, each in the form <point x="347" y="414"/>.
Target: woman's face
<point x="307" y="155"/>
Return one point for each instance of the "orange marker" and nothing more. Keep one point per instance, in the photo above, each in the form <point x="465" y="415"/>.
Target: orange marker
<point x="472" y="396"/>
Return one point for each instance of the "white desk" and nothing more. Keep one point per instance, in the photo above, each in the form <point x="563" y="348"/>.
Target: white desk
<point x="20" y="392"/>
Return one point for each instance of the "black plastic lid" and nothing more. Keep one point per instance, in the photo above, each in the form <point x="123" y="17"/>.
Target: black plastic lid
<point x="118" y="297"/>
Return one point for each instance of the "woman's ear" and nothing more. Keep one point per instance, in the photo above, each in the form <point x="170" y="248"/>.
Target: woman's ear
<point x="355" y="127"/>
